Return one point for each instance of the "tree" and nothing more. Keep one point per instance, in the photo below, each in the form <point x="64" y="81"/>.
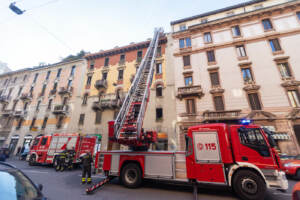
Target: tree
<point x="75" y="57"/>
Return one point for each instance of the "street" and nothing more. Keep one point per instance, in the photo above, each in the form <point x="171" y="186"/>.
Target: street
<point x="66" y="185"/>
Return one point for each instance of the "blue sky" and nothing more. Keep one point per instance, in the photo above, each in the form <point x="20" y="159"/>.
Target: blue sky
<point x="52" y="29"/>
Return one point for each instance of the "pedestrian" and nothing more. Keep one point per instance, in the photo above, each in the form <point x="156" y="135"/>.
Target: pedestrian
<point x="18" y="151"/>
<point x="22" y="149"/>
<point x="87" y="161"/>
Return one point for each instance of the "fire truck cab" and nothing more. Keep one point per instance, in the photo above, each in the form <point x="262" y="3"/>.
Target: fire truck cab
<point x="238" y="156"/>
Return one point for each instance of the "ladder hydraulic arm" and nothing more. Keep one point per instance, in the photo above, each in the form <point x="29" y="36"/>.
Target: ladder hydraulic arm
<point x="127" y="128"/>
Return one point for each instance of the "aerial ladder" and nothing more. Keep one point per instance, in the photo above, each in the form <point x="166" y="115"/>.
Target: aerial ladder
<point x="127" y="127"/>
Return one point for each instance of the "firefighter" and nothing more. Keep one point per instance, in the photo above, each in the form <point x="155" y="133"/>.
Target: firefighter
<point x="87" y="161"/>
<point x="69" y="159"/>
<point x="61" y="161"/>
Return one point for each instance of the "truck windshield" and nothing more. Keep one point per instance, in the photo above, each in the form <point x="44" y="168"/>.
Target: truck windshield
<point x="36" y="141"/>
<point x="251" y="136"/>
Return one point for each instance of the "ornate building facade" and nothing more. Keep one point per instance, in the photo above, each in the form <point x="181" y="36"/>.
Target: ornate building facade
<point x="240" y="62"/>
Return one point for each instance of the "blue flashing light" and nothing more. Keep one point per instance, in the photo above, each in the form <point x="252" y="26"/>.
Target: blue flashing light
<point x="245" y="121"/>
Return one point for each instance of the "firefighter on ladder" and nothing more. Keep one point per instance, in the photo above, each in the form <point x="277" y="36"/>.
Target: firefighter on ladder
<point x="87" y="161"/>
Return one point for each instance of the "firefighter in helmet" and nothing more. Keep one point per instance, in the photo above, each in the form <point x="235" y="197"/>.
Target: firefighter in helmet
<point x="61" y="159"/>
<point x="87" y="161"/>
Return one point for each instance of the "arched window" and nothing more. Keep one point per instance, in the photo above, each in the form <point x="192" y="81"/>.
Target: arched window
<point x="159" y="90"/>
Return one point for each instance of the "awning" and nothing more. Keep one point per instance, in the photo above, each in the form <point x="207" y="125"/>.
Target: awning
<point x="281" y="136"/>
<point x="162" y="136"/>
<point x="15" y="137"/>
<point x="28" y="137"/>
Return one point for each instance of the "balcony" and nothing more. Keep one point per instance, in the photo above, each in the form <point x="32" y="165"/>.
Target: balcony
<point x="4" y="99"/>
<point x="19" y="113"/>
<point x="101" y="84"/>
<point x="7" y="113"/>
<point x="96" y="106"/>
<point x="26" y="97"/>
<point x="53" y="92"/>
<point x="60" y="109"/>
<point x="222" y="115"/>
<point x="190" y="91"/>
<point x="122" y="63"/>
<point x="65" y="90"/>
<point x="109" y="101"/>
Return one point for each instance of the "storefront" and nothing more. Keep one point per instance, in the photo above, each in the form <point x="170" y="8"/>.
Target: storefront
<point x="13" y="143"/>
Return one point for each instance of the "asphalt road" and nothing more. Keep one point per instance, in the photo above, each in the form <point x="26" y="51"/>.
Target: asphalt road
<point x="66" y="185"/>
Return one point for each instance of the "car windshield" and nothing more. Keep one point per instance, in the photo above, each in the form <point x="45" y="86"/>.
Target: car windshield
<point x="15" y="186"/>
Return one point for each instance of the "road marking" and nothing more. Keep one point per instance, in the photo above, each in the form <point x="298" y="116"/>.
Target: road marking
<point x="278" y="193"/>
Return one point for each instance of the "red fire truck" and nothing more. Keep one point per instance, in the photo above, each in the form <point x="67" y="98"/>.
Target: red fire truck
<point x="45" y="148"/>
<point x="241" y="157"/>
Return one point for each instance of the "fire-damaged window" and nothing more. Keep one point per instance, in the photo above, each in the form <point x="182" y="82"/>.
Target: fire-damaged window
<point x="252" y="138"/>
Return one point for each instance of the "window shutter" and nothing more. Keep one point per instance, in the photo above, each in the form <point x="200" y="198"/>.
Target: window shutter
<point x="219" y="103"/>
<point x="214" y="77"/>
<point x="254" y="101"/>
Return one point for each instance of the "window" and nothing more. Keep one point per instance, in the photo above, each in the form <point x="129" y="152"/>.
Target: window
<point x="190" y="106"/>
<point x="35" y="77"/>
<point x="43" y="90"/>
<point x="251" y="137"/>
<point x="65" y="100"/>
<point x="19" y="123"/>
<point x="15" y="79"/>
<point x="49" y="104"/>
<point x="73" y="70"/>
<point x="122" y="58"/>
<point x="44" y="141"/>
<point x="158" y="68"/>
<point x="31" y="91"/>
<point x="186" y="60"/>
<point x="25" y="77"/>
<point x="158" y="52"/>
<point x="211" y="56"/>
<point x="81" y="119"/>
<point x="275" y="45"/>
<point x="159" y="113"/>
<point x="38" y="105"/>
<point x="32" y="123"/>
<point x="159" y="90"/>
<point x="48" y="75"/>
<point x="267" y="24"/>
<point x="14" y="105"/>
<point x="4" y="107"/>
<point x="106" y="62"/>
<point x="104" y="75"/>
<point x="60" y="121"/>
<point x="92" y="64"/>
<point x="219" y="104"/>
<point x="20" y="90"/>
<point x="298" y="15"/>
<point x="5" y="82"/>
<point x="54" y="86"/>
<point x="254" y="101"/>
<point x="247" y="75"/>
<point x="9" y="92"/>
<point x="85" y="97"/>
<point x="98" y="117"/>
<point x="185" y="42"/>
<point x="182" y="27"/>
<point x="284" y="70"/>
<point x="214" y="78"/>
<point x="120" y="76"/>
<point x="89" y="80"/>
<point x="58" y="73"/>
<point x="241" y="51"/>
<point x="45" y="123"/>
<point x="139" y="56"/>
<point x="207" y="37"/>
<point x="69" y="83"/>
<point x="25" y="106"/>
<point x="236" y="32"/>
<point x="188" y="80"/>
<point x="294" y="98"/>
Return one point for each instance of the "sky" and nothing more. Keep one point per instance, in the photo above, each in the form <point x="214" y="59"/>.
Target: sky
<point x="52" y="29"/>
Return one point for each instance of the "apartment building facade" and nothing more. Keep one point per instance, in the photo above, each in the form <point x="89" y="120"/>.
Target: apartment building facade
<point x="108" y="78"/>
<point x="240" y="62"/>
<point x="47" y="102"/>
<point x="11" y="87"/>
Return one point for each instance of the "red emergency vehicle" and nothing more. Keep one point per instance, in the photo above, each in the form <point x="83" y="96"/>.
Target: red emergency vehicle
<point x="238" y="156"/>
<point x="45" y="148"/>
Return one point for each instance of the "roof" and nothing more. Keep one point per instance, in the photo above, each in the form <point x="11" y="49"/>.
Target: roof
<point x="217" y="11"/>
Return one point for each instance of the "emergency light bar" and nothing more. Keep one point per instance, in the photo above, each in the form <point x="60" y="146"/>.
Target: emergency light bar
<point x="245" y="121"/>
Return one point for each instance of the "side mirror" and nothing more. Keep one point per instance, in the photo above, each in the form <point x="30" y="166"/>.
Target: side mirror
<point x="40" y="187"/>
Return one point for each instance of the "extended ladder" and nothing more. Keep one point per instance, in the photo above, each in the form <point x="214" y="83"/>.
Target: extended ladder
<point x="128" y="124"/>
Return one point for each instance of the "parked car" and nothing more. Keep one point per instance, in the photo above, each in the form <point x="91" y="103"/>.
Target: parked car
<point x="15" y="185"/>
<point x="292" y="167"/>
<point x="6" y="151"/>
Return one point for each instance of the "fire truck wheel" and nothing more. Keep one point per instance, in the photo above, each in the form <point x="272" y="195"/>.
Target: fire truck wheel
<point x="131" y="175"/>
<point x="32" y="160"/>
<point x="248" y="185"/>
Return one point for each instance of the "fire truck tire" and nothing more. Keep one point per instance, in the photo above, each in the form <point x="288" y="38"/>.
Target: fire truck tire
<point x="32" y="160"/>
<point x="249" y="185"/>
<point x="131" y="175"/>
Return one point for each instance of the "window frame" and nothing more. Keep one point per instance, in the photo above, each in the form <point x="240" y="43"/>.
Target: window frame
<point x="89" y="80"/>
<point x="158" y="66"/>
<point x="207" y="38"/>
<point x="275" y="47"/>
<point x="260" y="106"/>
<point x="44" y="122"/>
<point x="235" y="29"/>
<point x="189" y="76"/>
<point x="251" y="75"/>
<point x="215" y="102"/>
<point x="286" y="70"/>
<point x="191" y="109"/>
<point x="85" y="99"/>
<point x="156" y="114"/>
<point x="211" y="55"/>
<point x="241" y="51"/>
<point x="159" y="90"/>
<point x="295" y="101"/>
<point x="81" y="119"/>
<point x="106" y="61"/>
<point x="218" y="78"/>
<point x="268" y="26"/>
<point x="98" y="117"/>
<point x="120" y="74"/>
<point x="186" y="60"/>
